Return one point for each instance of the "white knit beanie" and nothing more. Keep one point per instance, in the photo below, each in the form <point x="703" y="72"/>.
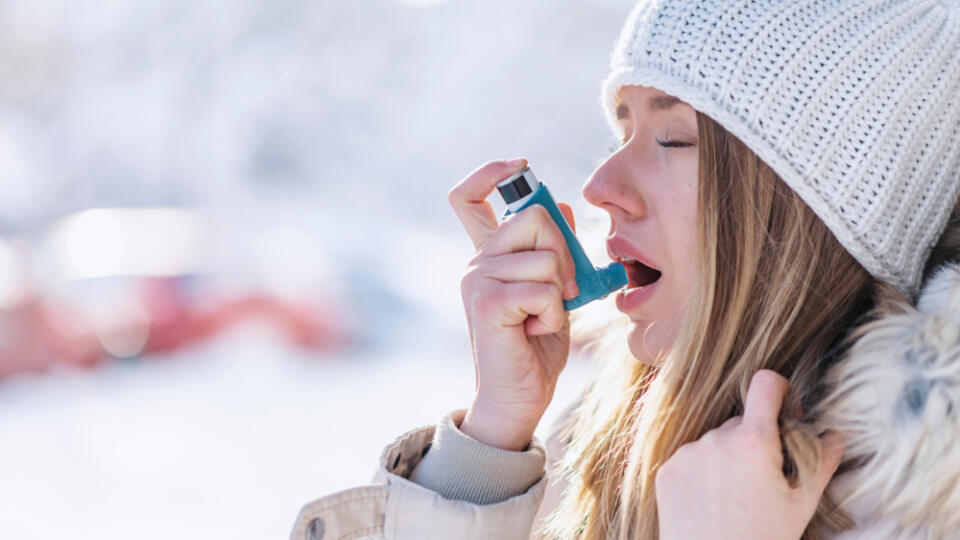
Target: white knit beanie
<point x="854" y="103"/>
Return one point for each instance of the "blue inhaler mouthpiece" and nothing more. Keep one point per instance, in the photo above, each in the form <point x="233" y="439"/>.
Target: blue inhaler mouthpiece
<point x="523" y="189"/>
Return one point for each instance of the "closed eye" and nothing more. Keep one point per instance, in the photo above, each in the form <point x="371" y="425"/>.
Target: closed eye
<point x="666" y="144"/>
<point x="673" y="144"/>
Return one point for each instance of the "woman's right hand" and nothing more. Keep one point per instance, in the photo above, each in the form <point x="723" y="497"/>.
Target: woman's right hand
<point x="513" y="296"/>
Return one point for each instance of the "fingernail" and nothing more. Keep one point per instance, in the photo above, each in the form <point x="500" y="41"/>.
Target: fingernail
<point x="516" y="162"/>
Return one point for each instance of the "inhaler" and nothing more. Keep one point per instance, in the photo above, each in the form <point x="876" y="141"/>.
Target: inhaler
<point x="523" y="189"/>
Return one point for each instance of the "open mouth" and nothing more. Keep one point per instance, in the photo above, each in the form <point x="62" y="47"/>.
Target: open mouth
<point x="639" y="274"/>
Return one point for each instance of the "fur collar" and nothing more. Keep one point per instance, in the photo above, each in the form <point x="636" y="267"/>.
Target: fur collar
<point x="896" y="395"/>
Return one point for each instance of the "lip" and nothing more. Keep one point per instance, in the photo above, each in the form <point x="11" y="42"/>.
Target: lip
<point x="630" y="299"/>
<point x="619" y="247"/>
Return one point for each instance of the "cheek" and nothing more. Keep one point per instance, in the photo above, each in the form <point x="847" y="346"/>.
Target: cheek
<point x="680" y="231"/>
<point x="687" y="196"/>
<point x="686" y="243"/>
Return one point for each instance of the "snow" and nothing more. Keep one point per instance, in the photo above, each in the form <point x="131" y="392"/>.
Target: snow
<point x="317" y="141"/>
<point x="226" y="441"/>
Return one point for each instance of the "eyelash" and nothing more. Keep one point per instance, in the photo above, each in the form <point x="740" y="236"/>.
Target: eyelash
<point x="666" y="144"/>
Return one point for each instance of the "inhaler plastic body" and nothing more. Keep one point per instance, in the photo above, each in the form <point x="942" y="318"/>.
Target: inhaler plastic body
<point x="522" y="190"/>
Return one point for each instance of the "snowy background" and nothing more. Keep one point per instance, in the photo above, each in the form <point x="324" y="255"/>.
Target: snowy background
<point x="306" y="149"/>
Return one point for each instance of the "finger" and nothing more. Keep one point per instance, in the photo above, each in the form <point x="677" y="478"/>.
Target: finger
<point x="542" y="325"/>
<point x="541" y="266"/>
<point x="529" y="299"/>
<point x="764" y="400"/>
<point x="833" y="444"/>
<point x="532" y="229"/>
<point x="469" y="198"/>
<point x="567" y="212"/>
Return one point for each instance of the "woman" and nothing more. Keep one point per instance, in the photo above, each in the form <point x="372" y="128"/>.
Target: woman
<point x="782" y="192"/>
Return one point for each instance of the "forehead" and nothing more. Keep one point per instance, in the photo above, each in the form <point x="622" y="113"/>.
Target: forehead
<point x="634" y="97"/>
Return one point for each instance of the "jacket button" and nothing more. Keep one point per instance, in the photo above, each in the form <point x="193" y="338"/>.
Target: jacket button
<point x="315" y="530"/>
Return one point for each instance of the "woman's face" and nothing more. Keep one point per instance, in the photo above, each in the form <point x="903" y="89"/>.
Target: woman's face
<point x="649" y="189"/>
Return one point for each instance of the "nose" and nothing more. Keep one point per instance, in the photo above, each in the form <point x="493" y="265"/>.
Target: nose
<point x="614" y="187"/>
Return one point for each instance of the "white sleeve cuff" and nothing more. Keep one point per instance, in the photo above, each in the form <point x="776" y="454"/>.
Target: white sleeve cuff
<point x="461" y="468"/>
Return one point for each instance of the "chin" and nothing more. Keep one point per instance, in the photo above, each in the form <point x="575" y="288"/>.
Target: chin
<point x="647" y="342"/>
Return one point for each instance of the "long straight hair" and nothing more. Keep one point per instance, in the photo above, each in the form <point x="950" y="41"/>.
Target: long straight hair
<point x="773" y="289"/>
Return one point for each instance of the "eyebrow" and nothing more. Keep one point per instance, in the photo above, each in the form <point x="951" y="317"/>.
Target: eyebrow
<point x="659" y="103"/>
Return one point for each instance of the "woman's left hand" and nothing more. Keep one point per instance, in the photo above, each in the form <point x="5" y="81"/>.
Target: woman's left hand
<point x="730" y="483"/>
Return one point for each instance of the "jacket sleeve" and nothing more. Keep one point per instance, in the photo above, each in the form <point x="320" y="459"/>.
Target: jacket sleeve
<point x="461" y="468"/>
<point x="395" y="507"/>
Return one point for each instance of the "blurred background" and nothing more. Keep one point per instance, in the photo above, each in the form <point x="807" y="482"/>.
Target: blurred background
<point x="229" y="274"/>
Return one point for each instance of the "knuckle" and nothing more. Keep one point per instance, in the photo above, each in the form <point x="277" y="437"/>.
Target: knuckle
<point x="554" y="295"/>
<point x="469" y="281"/>
<point x="522" y="217"/>
<point x="486" y="296"/>
<point x="530" y="215"/>
<point x="551" y="262"/>
<point x="511" y="222"/>
<point x="476" y="261"/>
<point x="540" y="212"/>
<point x="535" y="292"/>
<point x="454" y="194"/>
<point x="549" y="295"/>
<point x="477" y="268"/>
<point x="484" y="304"/>
<point x="554" y="323"/>
<point x="559" y="324"/>
<point x="494" y="294"/>
<point x="544" y="221"/>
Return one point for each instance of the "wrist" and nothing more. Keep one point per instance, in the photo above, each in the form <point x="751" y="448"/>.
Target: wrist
<point x="494" y="428"/>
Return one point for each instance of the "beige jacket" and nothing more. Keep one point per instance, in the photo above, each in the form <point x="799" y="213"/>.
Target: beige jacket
<point x="396" y="507"/>
<point x="896" y="394"/>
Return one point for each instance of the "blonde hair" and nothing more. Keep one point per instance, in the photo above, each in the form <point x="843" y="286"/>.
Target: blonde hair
<point x="774" y="289"/>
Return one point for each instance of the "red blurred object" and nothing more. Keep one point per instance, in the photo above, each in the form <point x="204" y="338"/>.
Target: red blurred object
<point x="175" y="321"/>
<point x="37" y="334"/>
<point x="125" y="282"/>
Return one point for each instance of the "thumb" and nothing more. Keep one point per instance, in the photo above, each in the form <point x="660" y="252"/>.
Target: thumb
<point x="567" y="212"/>
<point x="833" y="445"/>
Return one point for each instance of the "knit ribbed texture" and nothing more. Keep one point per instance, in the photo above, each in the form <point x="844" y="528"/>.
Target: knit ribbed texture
<point x="461" y="468"/>
<point x="855" y="104"/>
